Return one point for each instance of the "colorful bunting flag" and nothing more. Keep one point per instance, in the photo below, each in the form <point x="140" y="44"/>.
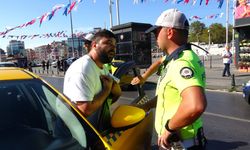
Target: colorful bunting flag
<point x="59" y="34"/>
<point x="66" y="10"/>
<point x="179" y="1"/>
<point x="194" y="2"/>
<point x="207" y="2"/>
<point x="31" y="22"/>
<point x="207" y="17"/>
<point x="220" y="3"/>
<point x="72" y="6"/>
<point x="201" y="2"/>
<point x="43" y="17"/>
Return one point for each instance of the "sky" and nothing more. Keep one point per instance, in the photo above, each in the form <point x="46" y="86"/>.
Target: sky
<point x="93" y="13"/>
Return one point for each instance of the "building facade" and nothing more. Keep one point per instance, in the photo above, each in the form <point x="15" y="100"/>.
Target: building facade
<point x="75" y="45"/>
<point x="16" y="49"/>
<point x="2" y="55"/>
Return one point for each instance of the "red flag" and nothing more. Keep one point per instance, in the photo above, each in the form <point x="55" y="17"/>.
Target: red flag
<point x="207" y="2"/>
<point x="43" y="18"/>
<point x="31" y="22"/>
<point x="72" y="6"/>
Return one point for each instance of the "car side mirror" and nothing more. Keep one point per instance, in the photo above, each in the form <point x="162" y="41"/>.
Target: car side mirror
<point x="125" y="115"/>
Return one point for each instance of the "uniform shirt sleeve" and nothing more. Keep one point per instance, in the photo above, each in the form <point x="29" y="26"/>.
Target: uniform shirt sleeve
<point x="185" y="75"/>
<point x="79" y="88"/>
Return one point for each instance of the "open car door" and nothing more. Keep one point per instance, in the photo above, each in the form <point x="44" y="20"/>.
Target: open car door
<point x="130" y="124"/>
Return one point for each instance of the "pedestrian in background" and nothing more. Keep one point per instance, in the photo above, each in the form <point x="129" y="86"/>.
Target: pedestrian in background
<point x="43" y="64"/>
<point x="58" y="65"/>
<point x="30" y="66"/>
<point x="180" y="91"/>
<point x="47" y="65"/>
<point x="227" y="60"/>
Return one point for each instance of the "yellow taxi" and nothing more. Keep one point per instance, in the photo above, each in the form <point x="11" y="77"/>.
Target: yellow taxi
<point x="34" y="116"/>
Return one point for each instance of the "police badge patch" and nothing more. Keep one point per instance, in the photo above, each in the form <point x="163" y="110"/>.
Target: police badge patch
<point x="186" y="72"/>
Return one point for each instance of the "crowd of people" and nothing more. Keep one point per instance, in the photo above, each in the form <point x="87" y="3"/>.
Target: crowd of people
<point x="61" y="65"/>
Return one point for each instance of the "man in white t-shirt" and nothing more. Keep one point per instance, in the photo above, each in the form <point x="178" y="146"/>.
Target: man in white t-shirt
<point x="227" y="60"/>
<point x="87" y="83"/>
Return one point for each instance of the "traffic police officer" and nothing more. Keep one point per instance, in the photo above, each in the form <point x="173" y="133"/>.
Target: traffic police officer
<point x="181" y="99"/>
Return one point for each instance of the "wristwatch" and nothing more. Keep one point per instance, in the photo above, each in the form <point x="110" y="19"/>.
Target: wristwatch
<point x="167" y="127"/>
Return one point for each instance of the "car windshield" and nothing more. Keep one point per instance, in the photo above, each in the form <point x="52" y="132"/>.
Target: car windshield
<point x="33" y="107"/>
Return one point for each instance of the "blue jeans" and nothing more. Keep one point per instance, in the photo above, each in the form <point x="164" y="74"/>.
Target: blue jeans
<point x="226" y="70"/>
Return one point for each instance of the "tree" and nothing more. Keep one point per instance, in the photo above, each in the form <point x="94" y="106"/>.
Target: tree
<point x="218" y="33"/>
<point x="199" y="33"/>
<point x="204" y="37"/>
<point x="196" y="29"/>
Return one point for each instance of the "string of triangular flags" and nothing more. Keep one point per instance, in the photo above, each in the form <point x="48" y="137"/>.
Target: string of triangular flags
<point x="59" y="34"/>
<point x="214" y="16"/>
<point x="69" y="7"/>
<point x="46" y="16"/>
<point x="184" y="1"/>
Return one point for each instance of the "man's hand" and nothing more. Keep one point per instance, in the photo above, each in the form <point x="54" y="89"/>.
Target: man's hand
<point x="107" y="82"/>
<point x="116" y="92"/>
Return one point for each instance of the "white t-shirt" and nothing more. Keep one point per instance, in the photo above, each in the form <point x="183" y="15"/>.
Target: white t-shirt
<point x="229" y="55"/>
<point x="82" y="80"/>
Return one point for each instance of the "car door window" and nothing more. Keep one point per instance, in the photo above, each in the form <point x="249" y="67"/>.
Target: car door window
<point x="34" y="108"/>
<point x="67" y="116"/>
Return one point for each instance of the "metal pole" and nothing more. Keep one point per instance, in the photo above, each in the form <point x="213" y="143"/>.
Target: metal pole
<point x="210" y="61"/>
<point x="233" y="25"/>
<point x="227" y="18"/>
<point x="110" y="14"/>
<point x="233" y="81"/>
<point x="117" y="12"/>
<point x="209" y="39"/>
<point x="72" y="34"/>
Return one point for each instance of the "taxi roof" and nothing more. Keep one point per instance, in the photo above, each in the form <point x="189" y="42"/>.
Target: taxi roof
<point x="14" y="73"/>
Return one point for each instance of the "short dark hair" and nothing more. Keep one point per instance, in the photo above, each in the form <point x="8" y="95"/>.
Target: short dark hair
<point x="181" y="36"/>
<point x="103" y="33"/>
<point x="87" y="42"/>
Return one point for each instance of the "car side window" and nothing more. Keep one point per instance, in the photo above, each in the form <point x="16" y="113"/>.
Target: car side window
<point x="68" y="122"/>
<point x="30" y="109"/>
<point x="67" y="116"/>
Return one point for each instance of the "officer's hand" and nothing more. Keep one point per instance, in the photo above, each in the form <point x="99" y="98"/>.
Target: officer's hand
<point x="163" y="140"/>
<point x="107" y="82"/>
<point x="137" y="80"/>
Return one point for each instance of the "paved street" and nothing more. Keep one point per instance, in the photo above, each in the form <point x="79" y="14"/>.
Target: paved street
<point x="227" y="117"/>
